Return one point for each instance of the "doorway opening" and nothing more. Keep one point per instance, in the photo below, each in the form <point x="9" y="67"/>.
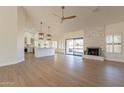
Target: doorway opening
<point x="29" y="43"/>
<point x="74" y="46"/>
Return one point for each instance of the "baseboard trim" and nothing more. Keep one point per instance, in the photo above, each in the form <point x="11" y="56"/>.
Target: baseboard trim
<point x="93" y="57"/>
<point x="11" y="63"/>
<point x="114" y="60"/>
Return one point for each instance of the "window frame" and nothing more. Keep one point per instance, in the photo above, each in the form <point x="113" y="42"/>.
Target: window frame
<point x="113" y="44"/>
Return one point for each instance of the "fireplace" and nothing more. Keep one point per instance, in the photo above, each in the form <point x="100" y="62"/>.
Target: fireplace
<point x="94" y="51"/>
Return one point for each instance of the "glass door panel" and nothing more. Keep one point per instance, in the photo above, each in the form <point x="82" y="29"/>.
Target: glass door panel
<point x="74" y="46"/>
<point x="78" y="47"/>
<point x="69" y="46"/>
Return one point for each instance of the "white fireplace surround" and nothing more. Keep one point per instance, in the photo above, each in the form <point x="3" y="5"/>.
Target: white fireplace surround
<point x="94" y="56"/>
<point x="100" y="58"/>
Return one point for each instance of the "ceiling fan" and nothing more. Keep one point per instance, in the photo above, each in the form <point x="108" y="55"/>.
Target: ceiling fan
<point x="63" y="17"/>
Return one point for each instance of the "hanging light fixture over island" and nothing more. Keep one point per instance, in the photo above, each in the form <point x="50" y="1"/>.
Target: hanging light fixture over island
<point x="41" y="35"/>
<point x="49" y="35"/>
<point x="44" y="44"/>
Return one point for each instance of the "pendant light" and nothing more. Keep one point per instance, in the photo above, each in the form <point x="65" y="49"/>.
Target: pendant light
<point x="49" y="35"/>
<point x="41" y="35"/>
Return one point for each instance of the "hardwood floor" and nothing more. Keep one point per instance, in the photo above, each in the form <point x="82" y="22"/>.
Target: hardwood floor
<point x="62" y="70"/>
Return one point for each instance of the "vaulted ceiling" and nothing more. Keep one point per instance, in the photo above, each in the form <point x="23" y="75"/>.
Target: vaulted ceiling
<point x="87" y="16"/>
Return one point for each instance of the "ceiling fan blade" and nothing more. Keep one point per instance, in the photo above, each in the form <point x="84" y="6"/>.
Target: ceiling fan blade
<point x="56" y="15"/>
<point x="69" y="17"/>
<point x="62" y="16"/>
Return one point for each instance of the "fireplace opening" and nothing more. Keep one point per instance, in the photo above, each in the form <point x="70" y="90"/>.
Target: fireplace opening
<point x="94" y="51"/>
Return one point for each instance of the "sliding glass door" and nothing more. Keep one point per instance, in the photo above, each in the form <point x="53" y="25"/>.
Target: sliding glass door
<point x="78" y="46"/>
<point x="74" y="46"/>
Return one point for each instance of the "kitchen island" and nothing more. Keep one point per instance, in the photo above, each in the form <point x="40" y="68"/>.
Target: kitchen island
<point x="43" y="52"/>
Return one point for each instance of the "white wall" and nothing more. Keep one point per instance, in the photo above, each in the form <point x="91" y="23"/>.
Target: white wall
<point x="116" y="28"/>
<point x="12" y="23"/>
<point x="8" y="35"/>
<point x="21" y="33"/>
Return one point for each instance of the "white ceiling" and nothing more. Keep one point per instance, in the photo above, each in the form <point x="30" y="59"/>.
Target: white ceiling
<point x="86" y="18"/>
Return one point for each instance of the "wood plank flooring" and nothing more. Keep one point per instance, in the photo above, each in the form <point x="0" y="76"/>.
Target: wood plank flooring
<point x="62" y="71"/>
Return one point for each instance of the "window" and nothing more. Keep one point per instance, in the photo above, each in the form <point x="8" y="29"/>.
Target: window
<point x="113" y="43"/>
<point x="109" y="41"/>
<point x="61" y="44"/>
<point x="54" y="44"/>
<point x="47" y="44"/>
<point x="117" y="43"/>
